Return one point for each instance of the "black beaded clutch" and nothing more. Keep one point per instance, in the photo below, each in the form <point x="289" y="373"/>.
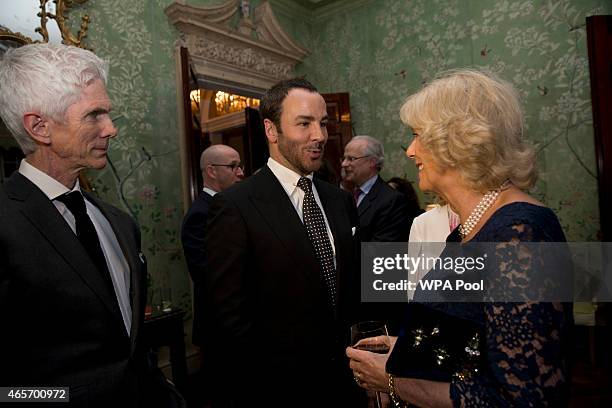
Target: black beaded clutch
<point x="437" y="346"/>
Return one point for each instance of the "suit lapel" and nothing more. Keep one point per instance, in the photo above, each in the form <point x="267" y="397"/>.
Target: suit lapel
<point x="369" y="198"/>
<point x="275" y="207"/>
<point x="39" y="210"/>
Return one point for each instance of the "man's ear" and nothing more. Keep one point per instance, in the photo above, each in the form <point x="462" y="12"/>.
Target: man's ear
<point x="210" y="172"/>
<point x="271" y="131"/>
<point x="37" y="127"/>
<point x="373" y="164"/>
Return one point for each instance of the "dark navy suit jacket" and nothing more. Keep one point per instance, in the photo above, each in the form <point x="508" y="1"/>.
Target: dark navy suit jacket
<point x="384" y="217"/>
<point x="192" y="237"/>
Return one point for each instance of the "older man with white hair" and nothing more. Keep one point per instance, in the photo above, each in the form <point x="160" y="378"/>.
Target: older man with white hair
<point x="72" y="277"/>
<point x="383" y="212"/>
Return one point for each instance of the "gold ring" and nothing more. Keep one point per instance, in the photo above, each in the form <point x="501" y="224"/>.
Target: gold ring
<point x="357" y="378"/>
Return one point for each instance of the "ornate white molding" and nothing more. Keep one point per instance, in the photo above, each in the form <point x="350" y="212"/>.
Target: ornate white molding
<point x="256" y="52"/>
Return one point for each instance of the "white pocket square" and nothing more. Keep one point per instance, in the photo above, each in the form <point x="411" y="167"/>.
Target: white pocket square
<point x="353" y="229"/>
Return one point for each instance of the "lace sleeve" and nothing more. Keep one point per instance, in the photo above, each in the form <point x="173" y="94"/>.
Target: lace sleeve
<point x="523" y="349"/>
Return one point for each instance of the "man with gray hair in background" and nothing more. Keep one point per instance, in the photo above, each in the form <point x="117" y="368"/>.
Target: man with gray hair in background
<point x="72" y="277"/>
<point x="383" y="212"/>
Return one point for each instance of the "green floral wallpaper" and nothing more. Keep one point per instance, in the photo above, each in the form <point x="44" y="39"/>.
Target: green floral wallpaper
<point x="143" y="176"/>
<point x="380" y="51"/>
<point x="383" y="51"/>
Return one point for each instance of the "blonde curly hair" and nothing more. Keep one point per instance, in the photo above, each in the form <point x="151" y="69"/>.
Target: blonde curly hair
<point x="471" y="120"/>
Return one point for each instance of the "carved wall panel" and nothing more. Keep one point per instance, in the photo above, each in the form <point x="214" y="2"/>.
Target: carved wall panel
<point x="251" y="55"/>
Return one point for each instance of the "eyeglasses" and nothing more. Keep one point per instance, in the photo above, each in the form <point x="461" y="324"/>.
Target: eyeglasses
<point x="233" y="166"/>
<point x="351" y="159"/>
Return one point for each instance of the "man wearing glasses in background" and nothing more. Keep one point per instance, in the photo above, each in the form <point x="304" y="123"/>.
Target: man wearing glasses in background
<point x="221" y="168"/>
<point x="383" y="212"/>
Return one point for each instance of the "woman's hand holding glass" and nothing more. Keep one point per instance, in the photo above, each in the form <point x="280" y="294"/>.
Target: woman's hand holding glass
<point x="368" y="356"/>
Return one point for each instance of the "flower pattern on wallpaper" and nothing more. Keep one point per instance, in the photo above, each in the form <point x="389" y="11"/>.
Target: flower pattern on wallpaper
<point x="143" y="175"/>
<point x="380" y="52"/>
<point x="385" y="50"/>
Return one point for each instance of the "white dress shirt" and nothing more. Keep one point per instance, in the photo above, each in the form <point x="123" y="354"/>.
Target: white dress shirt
<point x="289" y="179"/>
<point x="428" y="238"/>
<point x="115" y="260"/>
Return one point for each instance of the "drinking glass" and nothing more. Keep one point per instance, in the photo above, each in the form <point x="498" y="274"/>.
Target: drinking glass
<point x="166" y="299"/>
<point x="371" y="336"/>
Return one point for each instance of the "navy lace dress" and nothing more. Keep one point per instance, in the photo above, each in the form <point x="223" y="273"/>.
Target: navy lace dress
<point x="493" y="354"/>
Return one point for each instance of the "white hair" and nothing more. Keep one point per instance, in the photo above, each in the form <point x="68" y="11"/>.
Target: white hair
<point x="44" y="78"/>
<point x="374" y="148"/>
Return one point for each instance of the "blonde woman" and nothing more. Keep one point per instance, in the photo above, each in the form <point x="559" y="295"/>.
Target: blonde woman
<point x="469" y="150"/>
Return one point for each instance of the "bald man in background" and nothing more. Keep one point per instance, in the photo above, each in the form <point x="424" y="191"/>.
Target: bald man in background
<point x="221" y="168"/>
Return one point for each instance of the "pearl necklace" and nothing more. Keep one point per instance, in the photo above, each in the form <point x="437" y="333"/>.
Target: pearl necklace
<point x="485" y="202"/>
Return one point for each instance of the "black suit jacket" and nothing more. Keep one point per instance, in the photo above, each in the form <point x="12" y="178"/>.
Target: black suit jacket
<point x="272" y="321"/>
<point x="192" y="237"/>
<point x="61" y="322"/>
<point x="383" y="215"/>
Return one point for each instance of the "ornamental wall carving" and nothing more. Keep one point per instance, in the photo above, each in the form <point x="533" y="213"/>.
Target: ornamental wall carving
<point x="244" y="57"/>
<point x="255" y="53"/>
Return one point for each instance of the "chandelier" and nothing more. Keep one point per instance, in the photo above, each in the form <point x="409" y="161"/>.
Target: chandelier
<point x="229" y="103"/>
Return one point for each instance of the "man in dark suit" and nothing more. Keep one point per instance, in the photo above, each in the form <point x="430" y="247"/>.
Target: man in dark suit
<point x="72" y="277"/>
<point x="221" y="168"/>
<point x="383" y="212"/>
<point x="281" y="273"/>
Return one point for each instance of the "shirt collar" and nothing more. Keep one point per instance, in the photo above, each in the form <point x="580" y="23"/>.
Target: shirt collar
<point x="209" y="191"/>
<point x="287" y="177"/>
<point x="367" y="186"/>
<point x="47" y="184"/>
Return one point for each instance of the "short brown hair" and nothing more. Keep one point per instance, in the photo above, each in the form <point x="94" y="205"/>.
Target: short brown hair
<point x="271" y="106"/>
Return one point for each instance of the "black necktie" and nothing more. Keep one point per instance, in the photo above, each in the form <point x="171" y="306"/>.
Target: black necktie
<point x="86" y="232"/>
<point x="317" y="233"/>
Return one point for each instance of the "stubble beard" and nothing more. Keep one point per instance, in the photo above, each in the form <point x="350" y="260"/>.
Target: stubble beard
<point x="291" y="152"/>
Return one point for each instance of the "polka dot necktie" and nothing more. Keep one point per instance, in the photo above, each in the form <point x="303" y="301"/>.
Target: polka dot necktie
<point x="317" y="233"/>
